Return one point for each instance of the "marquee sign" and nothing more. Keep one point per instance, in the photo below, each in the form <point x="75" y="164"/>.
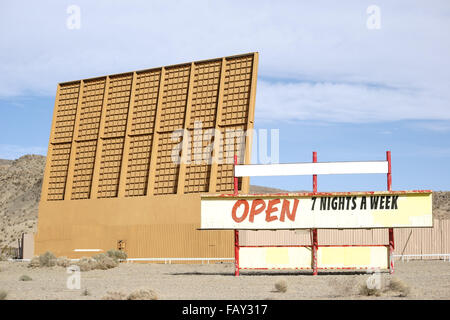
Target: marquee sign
<point x="384" y="209"/>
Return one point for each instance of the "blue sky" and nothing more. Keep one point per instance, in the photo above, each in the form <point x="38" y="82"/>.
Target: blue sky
<point x="325" y="80"/>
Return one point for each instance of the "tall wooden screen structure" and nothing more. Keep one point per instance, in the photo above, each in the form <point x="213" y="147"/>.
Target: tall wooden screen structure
<point x="129" y="155"/>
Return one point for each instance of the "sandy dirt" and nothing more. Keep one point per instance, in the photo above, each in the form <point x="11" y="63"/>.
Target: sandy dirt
<point x="426" y="279"/>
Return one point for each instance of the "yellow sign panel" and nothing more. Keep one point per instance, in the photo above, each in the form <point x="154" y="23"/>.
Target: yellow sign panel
<point x="396" y="209"/>
<point x="353" y="257"/>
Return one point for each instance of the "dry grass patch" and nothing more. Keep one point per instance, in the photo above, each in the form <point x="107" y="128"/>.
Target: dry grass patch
<point x="392" y="287"/>
<point x="140" y="294"/>
<point x="46" y="259"/>
<point x="117" y="255"/>
<point x="281" y="286"/>
<point x="63" y="262"/>
<point x="34" y="263"/>
<point x="143" y="294"/>
<point x="115" y="295"/>
<point x="104" y="262"/>
<point x="86" y="264"/>
<point x="98" y="262"/>
<point x="25" y="278"/>
<point x="398" y="286"/>
<point x="365" y="290"/>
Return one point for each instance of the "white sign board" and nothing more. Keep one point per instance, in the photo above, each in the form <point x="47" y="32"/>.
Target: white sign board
<point x="292" y="169"/>
<point x="397" y="209"/>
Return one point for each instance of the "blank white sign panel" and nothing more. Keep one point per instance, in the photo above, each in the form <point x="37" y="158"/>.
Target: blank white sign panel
<point x="297" y="169"/>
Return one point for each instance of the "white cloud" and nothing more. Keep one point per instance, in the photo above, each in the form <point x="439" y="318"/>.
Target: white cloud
<point x="336" y="69"/>
<point x="351" y="103"/>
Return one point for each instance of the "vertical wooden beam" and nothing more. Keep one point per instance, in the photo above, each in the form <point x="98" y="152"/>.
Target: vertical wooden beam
<point x="126" y="144"/>
<point x="98" y="151"/>
<point x="185" y="143"/>
<point x="216" y="142"/>
<point x="250" y="122"/>
<point x="155" y="138"/>
<point x="73" y="147"/>
<point x="48" y="163"/>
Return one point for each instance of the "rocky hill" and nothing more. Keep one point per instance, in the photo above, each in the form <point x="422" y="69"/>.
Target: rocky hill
<point x="20" y="189"/>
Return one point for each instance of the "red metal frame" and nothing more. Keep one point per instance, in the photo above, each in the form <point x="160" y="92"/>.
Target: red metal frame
<point x="236" y="232"/>
<point x="319" y="268"/>
<point x="391" y="230"/>
<point x="314" y="239"/>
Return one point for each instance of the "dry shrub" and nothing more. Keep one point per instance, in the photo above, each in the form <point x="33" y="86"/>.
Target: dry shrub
<point x="25" y="278"/>
<point x="117" y="254"/>
<point x="115" y="295"/>
<point x="86" y="264"/>
<point x="3" y="294"/>
<point x="34" y="263"/>
<point x="86" y="292"/>
<point x="47" y="259"/>
<point x="281" y="286"/>
<point x="143" y="294"/>
<point x="399" y="286"/>
<point x="63" y="262"/>
<point x="104" y="262"/>
<point x="100" y="261"/>
<point x="366" y="291"/>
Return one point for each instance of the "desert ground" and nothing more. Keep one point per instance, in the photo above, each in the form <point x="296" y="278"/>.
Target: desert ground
<point x="425" y="279"/>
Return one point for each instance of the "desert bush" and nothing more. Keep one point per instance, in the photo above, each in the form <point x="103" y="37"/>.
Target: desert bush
<point x="281" y="286"/>
<point x="117" y="254"/>
<point x="115" y="295"/>
<point x="86" y="292"/>
<point x="3" y="294"/>
<point x="34" y="263"/>
<point x="63" y="262"/>
<point x="364" y="290"/>
<point x="86" y="264"/>
<point x="143" y="294"/>
<point x="399" y="286"/>
<point x="24" y="277"/>
<point x="46" y="259"/>
<point x="100" y="261"/>
<point x="104" y="262"/>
